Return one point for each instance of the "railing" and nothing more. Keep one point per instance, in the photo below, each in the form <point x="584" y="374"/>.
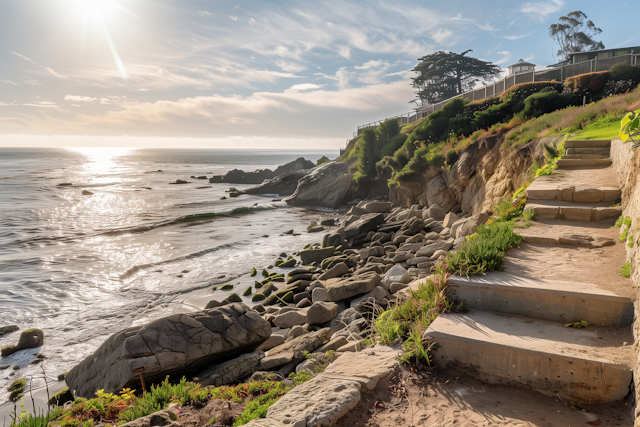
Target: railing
<point x="559" y="74"/>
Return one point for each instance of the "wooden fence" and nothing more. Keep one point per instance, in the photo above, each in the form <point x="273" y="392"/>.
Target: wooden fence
<point x="559" y="74"/>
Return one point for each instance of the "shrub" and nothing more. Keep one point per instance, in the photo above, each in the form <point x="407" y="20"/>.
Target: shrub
<point x="321" y="160"/>
<point x="625" y="270"/>
<point x="483" y="251"/>
<point x="625" y="72"/>
<point x="452" y="156"/>
<point x="589" y="82"/>
<point x="616" y="87"/>
<point x="543" y="102"/>
<point x="522" y="91"/>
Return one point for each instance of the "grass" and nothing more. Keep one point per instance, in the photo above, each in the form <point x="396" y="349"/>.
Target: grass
<point x="483" y="251"/>
<point x="625" y="270"/>
<point x="410" y="317"/>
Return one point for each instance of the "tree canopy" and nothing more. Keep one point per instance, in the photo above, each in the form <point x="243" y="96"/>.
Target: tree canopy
<point x="575" y="33"/>
<point x="443" y="75"/>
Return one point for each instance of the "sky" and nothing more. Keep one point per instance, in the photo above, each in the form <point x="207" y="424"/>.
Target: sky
<point x="248" y="74"/>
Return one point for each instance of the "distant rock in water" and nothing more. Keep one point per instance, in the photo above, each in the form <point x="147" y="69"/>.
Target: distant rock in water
<point x="237" y="176"/>
<point x="87" y="193"/>
<point x="8" y="329"/>
<point x="31" y="338"/>
<point x="283" y="185"/>
<point x="328" y="185"/>
<point x="178" y="344"/>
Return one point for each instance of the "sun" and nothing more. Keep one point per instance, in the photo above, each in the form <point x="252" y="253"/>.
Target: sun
<point x="96" y="8"/>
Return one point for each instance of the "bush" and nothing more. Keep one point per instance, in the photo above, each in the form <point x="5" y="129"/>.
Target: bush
<point x="590" y="82"/>
<point x="483" y="251"/>
<point x="542" y="103"/>
<point x="321" y="160"/>
<point x="616" y="87"/>
<point x="522" y="91"/>
<point x="625" y="72"/>
<point x="452" y="156"/>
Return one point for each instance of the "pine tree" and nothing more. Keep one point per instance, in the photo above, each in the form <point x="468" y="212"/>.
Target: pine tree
<point x="443" y="75"/>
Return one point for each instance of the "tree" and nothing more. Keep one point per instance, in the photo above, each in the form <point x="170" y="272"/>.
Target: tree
<point x="575" y="33"/>
<point x="443" y="75"/>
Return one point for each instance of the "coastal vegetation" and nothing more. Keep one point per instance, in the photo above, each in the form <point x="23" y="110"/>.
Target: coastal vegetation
<point x="523" y="113"/>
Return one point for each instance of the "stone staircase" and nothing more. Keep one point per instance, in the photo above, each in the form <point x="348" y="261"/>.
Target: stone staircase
<point x="514" y="332"/>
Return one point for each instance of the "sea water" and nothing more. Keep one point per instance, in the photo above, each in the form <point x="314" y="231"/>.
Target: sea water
<point x="82" y="267"/>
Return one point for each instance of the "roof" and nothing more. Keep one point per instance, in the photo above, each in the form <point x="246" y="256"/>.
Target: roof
<point x="609" y="50"/>
<point x="521" y="62"/>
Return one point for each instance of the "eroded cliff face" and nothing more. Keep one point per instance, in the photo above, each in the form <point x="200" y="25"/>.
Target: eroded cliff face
<point x="482" y="176"/>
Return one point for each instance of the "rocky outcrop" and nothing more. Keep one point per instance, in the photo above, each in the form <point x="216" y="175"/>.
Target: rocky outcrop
<point x="329" y="185"/>
<point x="282" y="185"/>
<point x="237" y="176"/>
<point x="481" y="177"/>
<point x="176" y="344"/>
<point x="31" y="338"/>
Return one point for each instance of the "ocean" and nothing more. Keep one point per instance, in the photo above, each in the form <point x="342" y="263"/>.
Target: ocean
<point x="82" y="267"/>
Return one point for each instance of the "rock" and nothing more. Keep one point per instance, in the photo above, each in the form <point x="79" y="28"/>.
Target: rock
<point x="319" y="402"/>
<point x="431" y="249"/>
<point x="365" y="253"/>
<point x="237" y="176"/>
<point x="328" y="185"/>
<point x="402" y="257"/>
<point x="470" y="226"/>
<point x="321" y="312"/>
<point x="411" y="227"/>
<point x="372" y="364"/>
<point x="395" y="287"/>
<point x="30" y="338"/>
<point x="307" y="342"/>
<point x="273" y="341"/>
<point x="352" y="286"/>
<point x="309" y="256"/>
<point x="365" y="224"/>
<point x="378" y="207"/>
<point x="283" y="185"/>
<point x="315" y="229"/>
<point x="438" y="254"/>
<point x="317" y="361"/>
<point x="290" y="319"/>
<point x="319" y="294"/>
<point x="296" y="331"/>
<point x="334" y="344"/>
<point x="397" y="273"/>
<point x="328" y="222"/>
<point x="344" y="319"/>
<point x="377" y="295"/>
<point x="350" y="347"/>
<point x="302" y="295"/>
<point x="265" y="376"/>
<point x="8" y="329"/>
<point x="415" y="239"/>
<point x="305" y="302"/>
<point x="337" y="270"/>
<point x="87" y="193"/>
<point x="160" y="418"/>
<point x="436" y="212"/>
<point x="356" y="211"/>
<point x="270" y="362"/>
<point x="418" y="260"/>
<point x="181" y="181"/>
<point x="449" y="220"/>
<point x="232" y="371"/>
<point x="176" y="344"/>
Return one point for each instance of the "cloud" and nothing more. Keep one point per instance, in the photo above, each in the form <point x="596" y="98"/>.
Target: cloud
<point x="514" y="37"/>
<point x="541" y="10"/>
<point x="48" y="69"/>
<point x="42" y="104"/>
<point x="289" y="65"/>
<point x="204" y="13"/>
<point x="443" y="36"/>
<point x="9" y="82"/>
<point x="625" y="42"/>
<point x="233" y="18"/>
<point x="330" y="24"/>
<point x="506" y="57"/>
<point x="304" y="86"/>
<point x="77" y="98"/>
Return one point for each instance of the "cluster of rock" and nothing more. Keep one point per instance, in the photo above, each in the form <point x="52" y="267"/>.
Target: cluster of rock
<point x="237" y="176"/>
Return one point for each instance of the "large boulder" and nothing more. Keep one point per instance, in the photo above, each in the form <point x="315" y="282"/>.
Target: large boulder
<point x="470" y="225"/>
<point x="177" y="344"/>
<point x="396" y="274"/>
<point x="378" y="207"/>
<point x="310" y="256"/>
<point x="282" y="185"/>
<point x="321" y="312"/>
<point x="328" y="185"/>
<point x="439" y="194"/>
<point x="338" y="270"/>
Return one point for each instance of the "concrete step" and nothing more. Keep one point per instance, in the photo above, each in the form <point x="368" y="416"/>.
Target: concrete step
<point x="582" y="163"/>
<point x="584" y="156"/>
<point x="588" y="365"/>
<point x="573" y="211"/>
<point x="587" y="143"/>
<point x="553" y="300"/>
<point x="589" y="150"/>
<point x="549" y="191"/>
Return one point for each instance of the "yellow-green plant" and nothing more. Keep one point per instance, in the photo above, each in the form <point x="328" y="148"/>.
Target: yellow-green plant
<point x="630" y="127"/>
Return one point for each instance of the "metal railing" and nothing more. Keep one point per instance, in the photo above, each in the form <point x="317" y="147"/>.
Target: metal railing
<point x="559" y="74"/>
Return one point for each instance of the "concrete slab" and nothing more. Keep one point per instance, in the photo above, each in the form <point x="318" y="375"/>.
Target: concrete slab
<point x="570" y="211"/>
<point x="366" y="367"/>
<point x="588" y="195"/>
<point x="584" y="156"/>
<point x="554" y="300"/>
<point x="587" y="365"/>
<point x="582" y="163"/>
<point x="584" y="143"/>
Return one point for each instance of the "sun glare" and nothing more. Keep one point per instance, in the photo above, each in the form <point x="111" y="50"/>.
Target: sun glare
<point x="96" y="8"/>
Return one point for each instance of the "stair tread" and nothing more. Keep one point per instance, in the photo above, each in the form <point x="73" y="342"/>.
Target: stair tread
<point x="577" y="163"/>
<point x="593" y="344"/>
<point x="500" y="278"/>
<point x="587" y="143"/>
<point x="578" y="179"/>
<point x="563" y="204"/>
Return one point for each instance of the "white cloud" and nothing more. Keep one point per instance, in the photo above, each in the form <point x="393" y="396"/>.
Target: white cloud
<point x="330" y="24"/>
<point x="443" y="36"/>
<point x="78" y="98"/>
<point x="289" y="65"/>
<point x="233" y="18"/>
<point x="42" y="104"/>
<point x="344" y="51"/>
<point x="252" y="21"/>
<point x="541" y="10"/>
<point x="506" y="57"/>
<point x="204" y="13"/>
<point x="304" y="86"/>
<point x="517" y="37"/>
<point x="9" y="82"/>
